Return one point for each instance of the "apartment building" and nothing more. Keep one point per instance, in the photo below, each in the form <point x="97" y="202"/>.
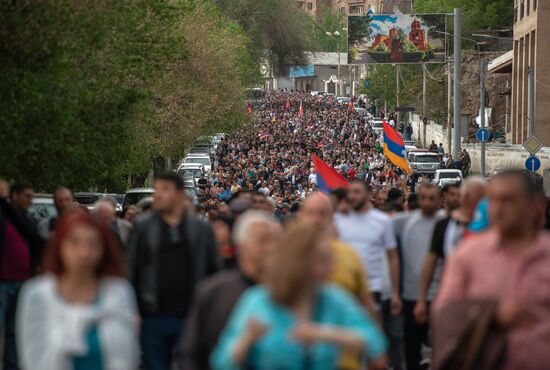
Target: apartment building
<point x="356" y="7"/>
<point x="531" y="30"/>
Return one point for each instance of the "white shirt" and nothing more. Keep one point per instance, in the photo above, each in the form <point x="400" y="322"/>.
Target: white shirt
<point x="312" y="178"/>
<point x="371" y="235"/>
<point x="51" y="331"/>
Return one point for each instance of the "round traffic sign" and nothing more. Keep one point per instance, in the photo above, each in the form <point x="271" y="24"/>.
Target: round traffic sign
<point x="482" y="134"/>
<point x="532" y="164"/>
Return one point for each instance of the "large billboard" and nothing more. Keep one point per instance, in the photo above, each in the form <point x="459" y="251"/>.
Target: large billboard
<point x="396" y="38"/>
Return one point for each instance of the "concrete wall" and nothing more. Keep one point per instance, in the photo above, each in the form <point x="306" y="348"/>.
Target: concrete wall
<point x="498" y="156"/>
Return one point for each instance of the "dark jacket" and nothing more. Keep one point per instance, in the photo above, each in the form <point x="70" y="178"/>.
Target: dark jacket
<point x="215" y="299"/>
<point x="142" y="252"/>
<point x="466" y="336"/>
<point x="26" y="227"/>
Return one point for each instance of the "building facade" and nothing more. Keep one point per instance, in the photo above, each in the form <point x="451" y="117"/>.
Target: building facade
<point x="314" y="7"/>
<point x="356" y="7"/>
<point x="530" y="51"/>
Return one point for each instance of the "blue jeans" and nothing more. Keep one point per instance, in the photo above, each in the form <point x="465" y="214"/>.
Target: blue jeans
<point x="160" y="336"/>
<point x="8" y="302"/>
<point x="393" y="326"/>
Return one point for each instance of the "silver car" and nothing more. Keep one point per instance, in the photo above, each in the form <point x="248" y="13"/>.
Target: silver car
<point x="424" y="163"/>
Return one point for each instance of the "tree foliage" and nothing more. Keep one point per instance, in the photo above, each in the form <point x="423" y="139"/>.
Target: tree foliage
<point x="478" y="14"/>
<point x="93" y="90"/>
<point x="278" y="29"/>
<point x="329" y="22"/>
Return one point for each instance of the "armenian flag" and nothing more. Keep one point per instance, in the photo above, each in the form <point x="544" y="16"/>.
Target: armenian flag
<point x="287" y="105"/>
<point x="328" y="179"/>
<point x="301" y="111"/>
<point x="263" y="135"/>
<point x="351" y="108"/>
<point x="394" y="148"/>
<point x="248" y="107"/>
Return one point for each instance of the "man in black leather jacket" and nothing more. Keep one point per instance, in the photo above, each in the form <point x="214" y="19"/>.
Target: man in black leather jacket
<point x="169" y="252"/>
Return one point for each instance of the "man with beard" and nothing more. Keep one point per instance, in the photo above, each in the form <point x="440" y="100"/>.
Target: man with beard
<point x="370" y="232"/>
<point x="415" y="237"/>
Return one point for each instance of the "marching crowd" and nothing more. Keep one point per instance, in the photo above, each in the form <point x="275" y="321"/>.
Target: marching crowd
<point x="276" y="274"/>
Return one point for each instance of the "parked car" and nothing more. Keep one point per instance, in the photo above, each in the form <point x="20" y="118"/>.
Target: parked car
<point x="42" y="207"/>
<point x="190" y="188"/>
<point x="88" y="199"/>
<point x="119" y="199"/>
<point x="443" y="177"/>
<point x="133" y="196"/>
<point x="423" y="163"/>
<point x="343" y="99"/>
<point x="198" y="158"/>
<point x="410" y="148"/>
<point x="196" y="171"/>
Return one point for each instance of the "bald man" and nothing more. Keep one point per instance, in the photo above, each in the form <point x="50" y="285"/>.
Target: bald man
<point x="105" y="211"/>
<point x="348" y="271"/>
<point x="447" y="233"/>
<point x="63" y="200"/>
<point x="256" y="233"/>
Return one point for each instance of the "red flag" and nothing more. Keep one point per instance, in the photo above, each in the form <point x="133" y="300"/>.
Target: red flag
<point x="301" y="112"/>
<point x="351" y="108"/>
<point x="287" y="105"/>
<point x="328" y="178"/>
<point x="248" y="108"/>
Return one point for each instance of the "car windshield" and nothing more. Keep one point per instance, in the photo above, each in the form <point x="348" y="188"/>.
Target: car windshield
<point x="41" y="211"/>
<point x="377" y="124"/>
<point x="426" y="159"/>
<point x="190" y="172"/>
<point x="133" y="198"/>
<point x="449" y="175"/>
<point x="204" y="161"/>
<point x="86" y="199"/>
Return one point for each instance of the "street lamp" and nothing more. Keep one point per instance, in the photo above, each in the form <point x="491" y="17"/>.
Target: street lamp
<point x="336" y="35"/>
<point x="481" y="94"/>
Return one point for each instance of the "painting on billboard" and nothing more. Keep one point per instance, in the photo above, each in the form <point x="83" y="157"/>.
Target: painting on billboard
<point x="396" y="38"/>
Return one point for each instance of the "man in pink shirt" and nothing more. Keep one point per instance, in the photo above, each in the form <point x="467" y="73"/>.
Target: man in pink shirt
<point x="509" y="265"/>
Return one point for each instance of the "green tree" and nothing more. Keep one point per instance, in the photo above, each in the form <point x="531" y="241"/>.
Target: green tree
<point x="329" y="22"/>
<point x="478" y="14"/>
<point x="278" y="29"/>
<point x="95" y="90"/>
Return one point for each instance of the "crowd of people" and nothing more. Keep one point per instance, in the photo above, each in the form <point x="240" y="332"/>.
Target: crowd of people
<point x="278" y="274"/>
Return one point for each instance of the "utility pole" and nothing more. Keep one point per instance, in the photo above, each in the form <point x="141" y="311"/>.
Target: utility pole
<point x="531" y="74"/>
<point x="449" y="107"/>
<point x="339" y="78"/>
<point x="457" y="77"/>
<point x="482" y="67"/>
<point x="424" y="112"/>
<point x="397" y="91"/>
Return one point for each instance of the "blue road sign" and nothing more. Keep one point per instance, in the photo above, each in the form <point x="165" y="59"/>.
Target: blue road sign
<point x="482" y="134"/>
<point x="532" y="164"/>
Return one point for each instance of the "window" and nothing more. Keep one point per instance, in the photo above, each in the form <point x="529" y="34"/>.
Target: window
<point x="521" y="9"/>
<point x="356" y="10"/>
<point x="342" y="10"/>
<point x="528" y="8"/>
<point x="309" y="6"/>
<point x="515" y="14"/>
<point x="534" y="5"/>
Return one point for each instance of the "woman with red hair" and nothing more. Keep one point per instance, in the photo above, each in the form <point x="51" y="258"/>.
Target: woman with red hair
<point x="80" y="314"/>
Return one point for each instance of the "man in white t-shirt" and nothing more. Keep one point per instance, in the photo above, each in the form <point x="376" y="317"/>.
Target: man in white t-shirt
<point x="312" y="179"/>
<point x="371" y="233"/>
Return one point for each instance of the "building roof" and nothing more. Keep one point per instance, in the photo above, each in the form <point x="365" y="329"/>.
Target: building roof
<point x="326" y="59"/>
<point x="502" y="64"/>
